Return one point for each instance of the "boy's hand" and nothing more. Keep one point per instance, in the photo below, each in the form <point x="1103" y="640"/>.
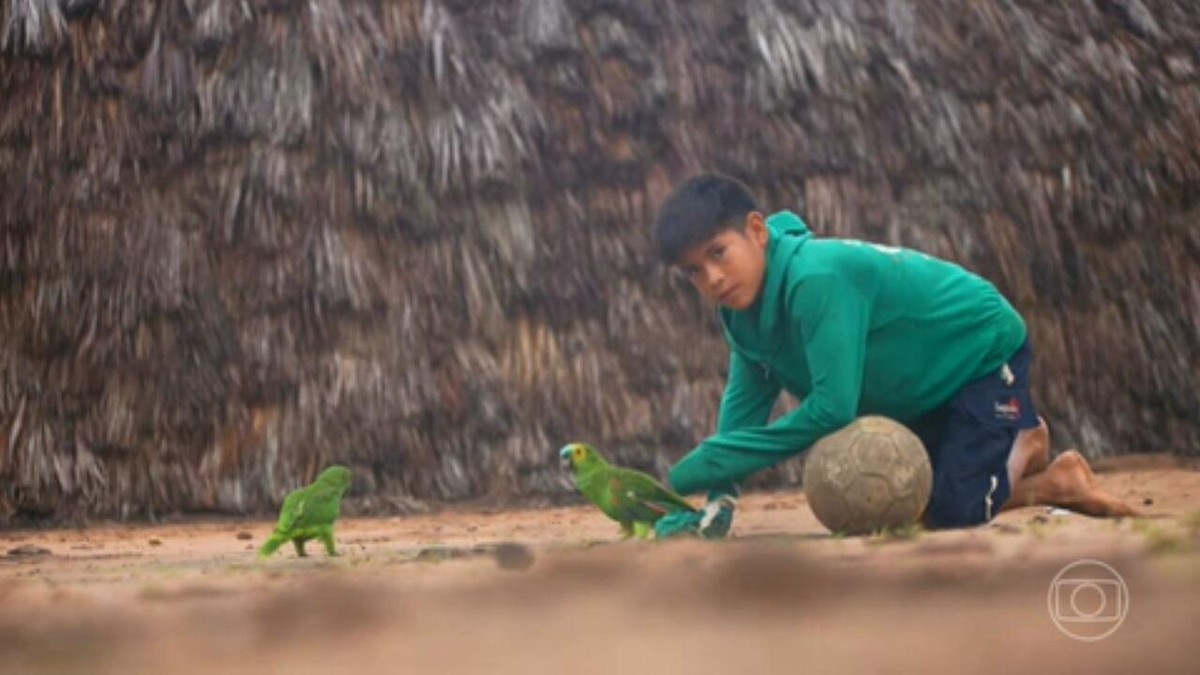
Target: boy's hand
<point x="711" y="522"/>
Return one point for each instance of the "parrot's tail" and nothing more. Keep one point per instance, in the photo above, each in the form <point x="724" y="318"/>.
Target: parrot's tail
<point x="271" y="545"/>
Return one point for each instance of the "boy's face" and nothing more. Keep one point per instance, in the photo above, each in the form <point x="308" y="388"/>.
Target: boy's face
<point x="728" y="269"/>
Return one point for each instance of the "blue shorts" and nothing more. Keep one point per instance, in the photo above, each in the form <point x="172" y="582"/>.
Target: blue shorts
<point x="969" y="439"/>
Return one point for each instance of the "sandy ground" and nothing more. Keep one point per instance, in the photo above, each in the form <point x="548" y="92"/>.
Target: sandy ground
<point x="555" y="590"/>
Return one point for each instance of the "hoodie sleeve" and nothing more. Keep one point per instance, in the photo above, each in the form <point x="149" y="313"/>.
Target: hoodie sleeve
<point x="750" y="393"/>
<point x="833" y="315"/>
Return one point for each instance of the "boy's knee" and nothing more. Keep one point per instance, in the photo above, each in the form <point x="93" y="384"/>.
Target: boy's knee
<point x="954" y="508"/>
<point x="944" y="514"/>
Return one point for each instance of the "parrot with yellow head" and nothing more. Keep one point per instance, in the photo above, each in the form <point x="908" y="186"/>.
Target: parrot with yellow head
<point x="632" y="498"/>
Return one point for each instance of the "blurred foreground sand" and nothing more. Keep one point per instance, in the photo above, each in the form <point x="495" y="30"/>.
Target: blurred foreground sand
<point x="433" y="592"/>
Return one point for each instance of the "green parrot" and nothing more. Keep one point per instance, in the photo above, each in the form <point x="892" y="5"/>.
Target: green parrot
<point x="631" y="498"/>
<point x="309" y="513"/>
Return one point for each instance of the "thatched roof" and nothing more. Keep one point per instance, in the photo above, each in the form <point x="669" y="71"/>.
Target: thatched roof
<point x="242" y="240"/>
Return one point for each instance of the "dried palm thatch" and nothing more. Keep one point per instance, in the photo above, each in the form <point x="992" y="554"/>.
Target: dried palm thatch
<point x="241" y="240"/>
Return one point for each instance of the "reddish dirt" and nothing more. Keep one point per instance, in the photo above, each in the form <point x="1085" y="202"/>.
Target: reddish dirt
<point x="564" y="594"/>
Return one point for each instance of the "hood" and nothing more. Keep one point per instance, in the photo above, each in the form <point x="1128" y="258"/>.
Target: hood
<point x="751" y="331"/>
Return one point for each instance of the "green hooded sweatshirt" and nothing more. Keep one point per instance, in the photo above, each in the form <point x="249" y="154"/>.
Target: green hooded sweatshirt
<point x="850" y="329"/>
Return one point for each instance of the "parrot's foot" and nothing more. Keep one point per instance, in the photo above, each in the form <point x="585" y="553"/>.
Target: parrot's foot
<point x="327" y="542"/>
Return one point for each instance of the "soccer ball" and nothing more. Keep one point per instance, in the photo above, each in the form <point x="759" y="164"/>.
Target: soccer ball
<point x="871" y="475"/>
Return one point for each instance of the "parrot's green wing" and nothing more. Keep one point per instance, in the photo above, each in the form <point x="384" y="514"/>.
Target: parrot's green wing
<point x="637" y="497"/>
<point x="319" y="505"/>
<point x="292" y="511"/>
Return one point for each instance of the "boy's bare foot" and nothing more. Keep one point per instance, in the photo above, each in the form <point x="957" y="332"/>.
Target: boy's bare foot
<point x="1068" y="482"/>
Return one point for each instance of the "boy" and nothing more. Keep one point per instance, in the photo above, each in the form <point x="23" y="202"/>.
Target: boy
<point x="853" y="329"/>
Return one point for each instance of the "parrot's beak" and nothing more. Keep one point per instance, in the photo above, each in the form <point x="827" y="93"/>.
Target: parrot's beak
<point x="564" y="456"/>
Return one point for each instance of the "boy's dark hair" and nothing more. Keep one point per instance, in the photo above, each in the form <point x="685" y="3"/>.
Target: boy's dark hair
<point x="697" y="209"/>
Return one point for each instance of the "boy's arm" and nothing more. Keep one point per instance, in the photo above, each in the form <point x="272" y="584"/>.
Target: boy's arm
<point x="750" y="393"/>
<point x="834" y="317"/>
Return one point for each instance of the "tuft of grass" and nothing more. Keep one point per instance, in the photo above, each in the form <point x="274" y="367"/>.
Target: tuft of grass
<point x="1038" y="528"/>
<point x="902" y="533"/>
<point x="1041" y="525"/>
<point x="1162" y="540"/>
<point x="1192" y="522"/>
